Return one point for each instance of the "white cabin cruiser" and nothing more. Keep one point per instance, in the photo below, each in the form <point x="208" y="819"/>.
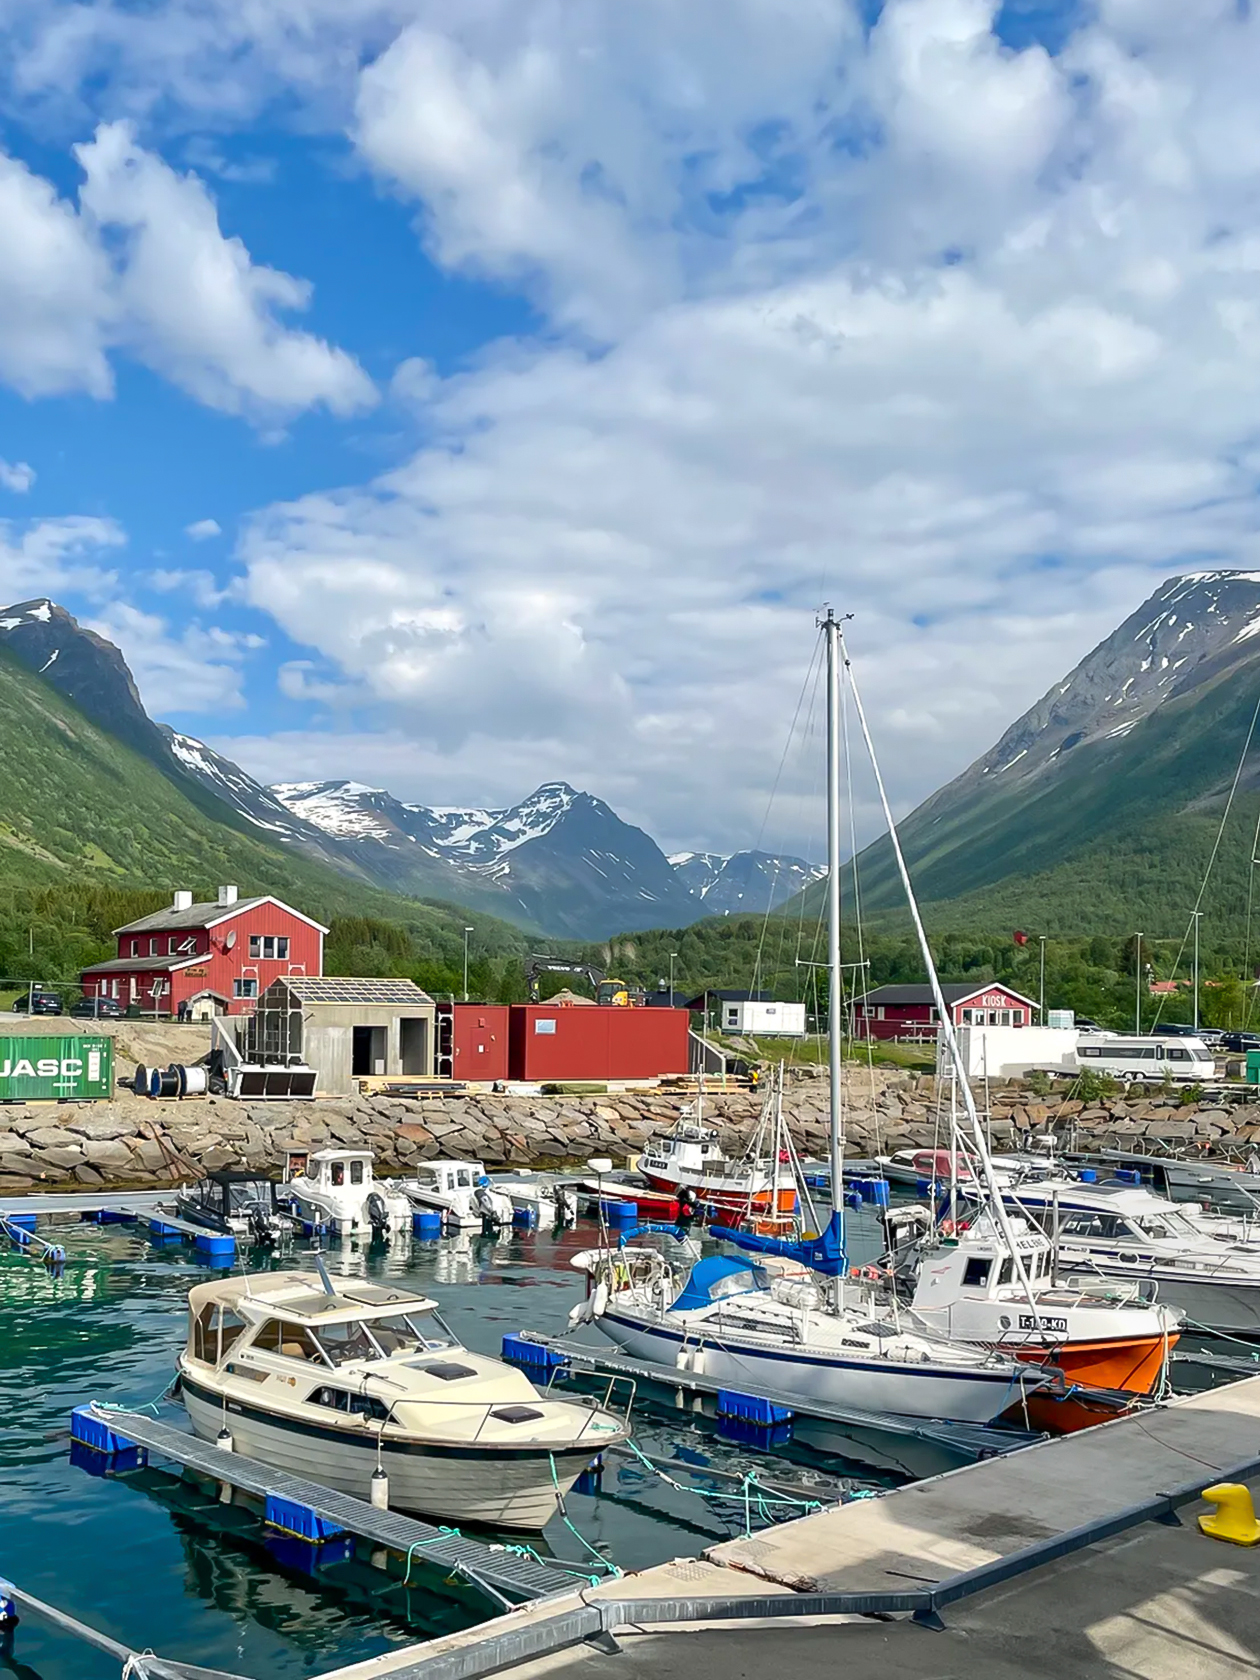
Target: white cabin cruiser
<point x="460" y="1191"/>
<point x="1104" y="1336"/>
<point x="734" y="1320"/>
<point x="1124" y="1231"/>
<point x="329" y="1385"/>
<point x="336" y="1188"/>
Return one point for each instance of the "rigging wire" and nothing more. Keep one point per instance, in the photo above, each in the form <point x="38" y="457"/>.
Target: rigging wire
<point x="1216" y="846"/>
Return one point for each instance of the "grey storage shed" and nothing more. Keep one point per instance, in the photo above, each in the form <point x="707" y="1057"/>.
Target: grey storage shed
<point x="344" y="1027"/>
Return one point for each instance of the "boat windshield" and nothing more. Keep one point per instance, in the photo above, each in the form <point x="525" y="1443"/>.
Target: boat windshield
<point x="253" y="1193"/>
<point x="1165" y="1226"/>
<point x="378" y="1338"/>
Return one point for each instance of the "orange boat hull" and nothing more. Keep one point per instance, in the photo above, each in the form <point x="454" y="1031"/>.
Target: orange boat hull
<point x="1131" y="1366"/>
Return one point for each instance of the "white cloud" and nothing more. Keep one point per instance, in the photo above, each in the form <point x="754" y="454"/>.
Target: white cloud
<point x="201" y="529"/>
<point x="195" y="305"/>
<point x="17" y="476"/>
<point x="964" y="338"/>
<point x="143" y="265"/>
<point x="184" y="669"/>
<point x="54" y="292"/>
<point x="57" y="555"/>
<point x="201" y="587"/>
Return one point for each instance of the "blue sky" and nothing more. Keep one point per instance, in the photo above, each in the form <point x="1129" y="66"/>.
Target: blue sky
<point x="542" y="369"/>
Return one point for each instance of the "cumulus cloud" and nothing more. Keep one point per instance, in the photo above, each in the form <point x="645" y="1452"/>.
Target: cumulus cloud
<point x="141" y="264"/>
<point x="962" y="337"/>
<point x="201" y="529"/>
<point x="51" y="555"/>
<point x="189" y="668"/>
<point x="17" y="476"/>
<point x="195" y="306"/>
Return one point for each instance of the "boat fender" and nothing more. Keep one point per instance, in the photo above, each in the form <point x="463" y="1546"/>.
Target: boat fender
<point x="599" y="1301"/>
<point x="223" y="1440"/>
<point x="580" y="1314"/>
<point x="379" y="1489"/>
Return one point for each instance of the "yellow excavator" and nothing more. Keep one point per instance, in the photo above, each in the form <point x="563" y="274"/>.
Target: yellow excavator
<point x="607" y="989"/>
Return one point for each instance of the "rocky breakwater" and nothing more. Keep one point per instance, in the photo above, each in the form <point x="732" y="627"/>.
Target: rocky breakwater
<point x="132" y="1141"/>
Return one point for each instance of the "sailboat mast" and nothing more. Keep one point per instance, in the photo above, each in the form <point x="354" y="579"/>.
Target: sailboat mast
<point x="831" y="630"/>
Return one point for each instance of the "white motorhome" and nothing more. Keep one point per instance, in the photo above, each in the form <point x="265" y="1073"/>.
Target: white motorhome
<point x="1125" y="1056"/>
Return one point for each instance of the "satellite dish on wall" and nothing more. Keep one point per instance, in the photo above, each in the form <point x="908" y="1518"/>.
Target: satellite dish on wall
<point x="229" y="940"/>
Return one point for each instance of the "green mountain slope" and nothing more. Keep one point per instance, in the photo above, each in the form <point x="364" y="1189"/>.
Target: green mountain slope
<point x="1098" y="810"/>
<point x="85" y="818"/>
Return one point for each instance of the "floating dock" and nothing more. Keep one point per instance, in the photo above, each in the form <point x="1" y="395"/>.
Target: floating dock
<point x="1099" y="1577"/>
<point x="969" y="1441"/>
<point x="508" y="1575"/>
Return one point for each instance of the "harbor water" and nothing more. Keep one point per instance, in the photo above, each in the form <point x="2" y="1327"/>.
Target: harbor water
<point x="159" y="1563"/>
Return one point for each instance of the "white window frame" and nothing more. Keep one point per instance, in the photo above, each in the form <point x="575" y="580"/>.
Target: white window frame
<point x="244" y="987"/>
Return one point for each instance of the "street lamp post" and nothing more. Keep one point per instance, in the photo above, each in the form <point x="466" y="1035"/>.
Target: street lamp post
<point x="1137" y="988"/>
<point x="672" y="955"/>
<point x="1041" y="999"/>
<point x="467" y="931"/>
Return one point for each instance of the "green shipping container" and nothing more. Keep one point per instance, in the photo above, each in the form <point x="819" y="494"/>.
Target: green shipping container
<point x="1253" y="1067"/>
<point x="49" y="1068"/>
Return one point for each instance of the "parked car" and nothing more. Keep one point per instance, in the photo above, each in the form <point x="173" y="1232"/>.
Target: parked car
<point x="97" y="1009"/>
<point x="1238" y="1043"/>
<point x="38" y="1003"/>
<point x="1178" y="1029"/>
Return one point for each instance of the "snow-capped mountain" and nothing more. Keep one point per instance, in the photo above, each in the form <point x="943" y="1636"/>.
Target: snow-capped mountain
<point x="560" y="859"/>
<point x="1100" y="806"/>
<point x="742" y="882"/>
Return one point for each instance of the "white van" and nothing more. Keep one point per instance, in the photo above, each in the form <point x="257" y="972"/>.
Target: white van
<point x="1157" y="1059"/>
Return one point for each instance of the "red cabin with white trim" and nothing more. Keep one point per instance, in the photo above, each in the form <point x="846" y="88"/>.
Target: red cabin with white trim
<point x="217" y="956"/>
<point x="910" y="1011"/>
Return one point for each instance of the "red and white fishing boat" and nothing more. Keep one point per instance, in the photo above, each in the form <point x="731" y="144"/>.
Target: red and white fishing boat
<point x="760" y="1187"/>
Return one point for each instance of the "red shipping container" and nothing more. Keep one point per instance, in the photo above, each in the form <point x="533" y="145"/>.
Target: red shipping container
<point x="599" y="1041"/>
<point x="472" y="1041"/>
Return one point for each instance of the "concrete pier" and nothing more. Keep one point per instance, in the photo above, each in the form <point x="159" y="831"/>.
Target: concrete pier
<point x="1132" y="1599"/>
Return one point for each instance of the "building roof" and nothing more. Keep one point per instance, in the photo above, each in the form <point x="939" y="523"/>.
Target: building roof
<point x="144" y="965"/>
<point x="954" y="992"/>
<point x="349" y="988"/>
<point x="208" y="915"/>
<point x="714" y="995"/>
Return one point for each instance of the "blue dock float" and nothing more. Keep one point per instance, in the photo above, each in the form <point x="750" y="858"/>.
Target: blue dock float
<point x="752" y="1408"/>
<point x="538" y="1356"/>
<point x="216" y="1245"/>
<point x="426" y="1225"/>
<point x="300" y="1522"/>
<point x="619" y="1213"/>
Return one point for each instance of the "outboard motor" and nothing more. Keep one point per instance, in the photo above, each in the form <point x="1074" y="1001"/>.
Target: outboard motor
<point x="484" y="1204"/>
<point x="260" y="1229"/>
<point x="377" y="1215"/>
<point x="566" y="1206"/>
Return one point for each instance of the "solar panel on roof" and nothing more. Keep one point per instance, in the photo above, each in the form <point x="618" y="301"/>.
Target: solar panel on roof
<point x="354" y="989"/>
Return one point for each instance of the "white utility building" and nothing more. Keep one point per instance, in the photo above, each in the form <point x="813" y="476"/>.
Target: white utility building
<point x="778" y="1020"/>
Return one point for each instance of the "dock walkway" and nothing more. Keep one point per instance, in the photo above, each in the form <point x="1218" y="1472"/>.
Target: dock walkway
<point x="1052" y="1561"/>
<point x="509" y="1574"/>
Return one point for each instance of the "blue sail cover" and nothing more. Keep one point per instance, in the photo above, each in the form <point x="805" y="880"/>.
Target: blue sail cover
<point x="824" y="1253"/>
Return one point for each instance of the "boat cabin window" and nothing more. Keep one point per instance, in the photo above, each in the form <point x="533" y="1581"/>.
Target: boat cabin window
<point x="341" y="1343"/>
<point x="354" y="1405"/>
<point x="231" y="1324"/>
<point x="1007" y="1270"/>
<point x="337" y="1173"/>
<point x="356" y="1172"/>
<point x="291" y="1340"/>
<point x="1094" y="1225"/>
<point x="446" y="1370"/>
<point x="1151" y="1225"/>
<point x="977" y="1272"/>
<point x="401" y="1335"/>
<point x="201" y="1336"/>
<point x="465" y="1178"/>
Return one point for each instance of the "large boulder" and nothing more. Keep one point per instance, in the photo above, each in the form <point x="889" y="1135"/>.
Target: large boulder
<point x="100" y="1125"/>
<point x="110" y="1154"/>
<point x="52" y="1137"/>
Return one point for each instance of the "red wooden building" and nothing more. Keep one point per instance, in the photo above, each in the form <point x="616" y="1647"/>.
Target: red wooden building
<point x="601" y="1041"/>
<point x="472" y="1041"/>
<point x="910" y="1012"/>
<point x="216" y="956"/>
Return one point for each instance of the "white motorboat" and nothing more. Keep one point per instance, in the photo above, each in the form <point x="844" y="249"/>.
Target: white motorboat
<point x="1104" y="1336"/>
<point x="336" y="1188"/>
<point x="535" y="1200"/>
<point x="461" y="1191"/>
<point x="734" y="1320"/>
<point x="1125" y="1231"/>
<point x="331" y="1385"/>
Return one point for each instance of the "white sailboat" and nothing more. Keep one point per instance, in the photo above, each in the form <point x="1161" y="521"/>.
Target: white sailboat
<point x="835" y="1342"/>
